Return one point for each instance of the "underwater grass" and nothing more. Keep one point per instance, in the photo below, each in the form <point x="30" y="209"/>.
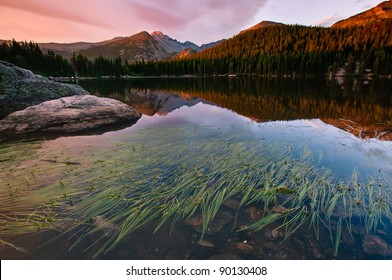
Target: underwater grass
<point x="169" y="174"/>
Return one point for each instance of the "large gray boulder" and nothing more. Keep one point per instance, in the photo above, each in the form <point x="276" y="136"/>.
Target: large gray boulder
<point x="375" y="245"/>
<point x="21" y="88"/>
<point x="69" y="115"/>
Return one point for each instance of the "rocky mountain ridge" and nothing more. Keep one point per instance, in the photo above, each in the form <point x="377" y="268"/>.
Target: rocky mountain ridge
<point x="380" y="12"/>
<point x="262" y="24"/>
<point x="140" y="46"/>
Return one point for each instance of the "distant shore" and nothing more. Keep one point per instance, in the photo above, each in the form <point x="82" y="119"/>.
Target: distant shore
<point x="328" y="76"/>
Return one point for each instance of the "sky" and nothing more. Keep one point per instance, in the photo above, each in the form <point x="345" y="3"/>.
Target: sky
<point x="199" y="21"/>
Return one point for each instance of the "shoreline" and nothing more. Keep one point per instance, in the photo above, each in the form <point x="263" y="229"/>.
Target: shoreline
<point x="309" y="76"/>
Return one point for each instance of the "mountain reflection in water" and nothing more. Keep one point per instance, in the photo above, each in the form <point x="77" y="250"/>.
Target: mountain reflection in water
<point x="364" y="110"/>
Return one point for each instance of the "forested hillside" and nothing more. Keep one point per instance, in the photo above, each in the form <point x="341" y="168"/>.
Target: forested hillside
<point x="288" y="50"/>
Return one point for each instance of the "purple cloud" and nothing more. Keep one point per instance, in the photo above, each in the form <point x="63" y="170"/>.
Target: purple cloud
<point x="155" y="14"/>
<point x="189" y="18"/>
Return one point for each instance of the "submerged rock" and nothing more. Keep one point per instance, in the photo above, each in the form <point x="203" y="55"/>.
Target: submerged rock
<point x="195" y="220"/>
<point x="205" y="243"/>
<point x="21" y="88"/>
<point x="245" y="248"/>
<point x="231" y="203"/>
<point x="375" y="245"/>
<point x="274" y="234"/>
<point x="215" y="226"/>
<point x="272" y="246"/>
<point x="280" y="209"/>
<point x="69" y="115"/>
<point x="255" y="214"/>
<point x="103" y="224"/>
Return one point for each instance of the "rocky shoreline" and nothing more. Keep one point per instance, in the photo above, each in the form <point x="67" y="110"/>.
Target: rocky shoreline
<point x="69" y="115"/>
<point x="32" y="103"/>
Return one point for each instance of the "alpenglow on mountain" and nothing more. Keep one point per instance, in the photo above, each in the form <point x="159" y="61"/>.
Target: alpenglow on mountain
<point x="262" y="24"/>
<point x="381" y="12"/>
<point x="138" y="47"/>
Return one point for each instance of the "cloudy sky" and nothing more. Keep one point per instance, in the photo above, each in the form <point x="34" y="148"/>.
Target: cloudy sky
<point x="200" y="21"/>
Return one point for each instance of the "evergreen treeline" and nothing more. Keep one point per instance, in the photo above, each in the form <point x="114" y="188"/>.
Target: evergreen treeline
<point x="288" y="50"/>
<point x="30" y="56"/>
<point x="100" y="66"/>
<point x="276" y="50"/>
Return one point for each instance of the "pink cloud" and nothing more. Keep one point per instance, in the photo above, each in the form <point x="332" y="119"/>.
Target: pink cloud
<point x="28" y="26"/>
<point x="204" y="19"/>
<point x="157" y="15"/>
<point x="328" y="21"/>
<point x="74" y="11"/>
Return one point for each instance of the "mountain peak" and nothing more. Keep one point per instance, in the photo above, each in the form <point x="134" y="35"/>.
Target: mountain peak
<point x="262" y="24"/>
<point x="380" y="12"/>
<point x="141" y="36"/>
<point x="157" y="33"/>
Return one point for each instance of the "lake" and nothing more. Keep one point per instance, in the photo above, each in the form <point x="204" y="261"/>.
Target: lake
<point x="216" y="168"/>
